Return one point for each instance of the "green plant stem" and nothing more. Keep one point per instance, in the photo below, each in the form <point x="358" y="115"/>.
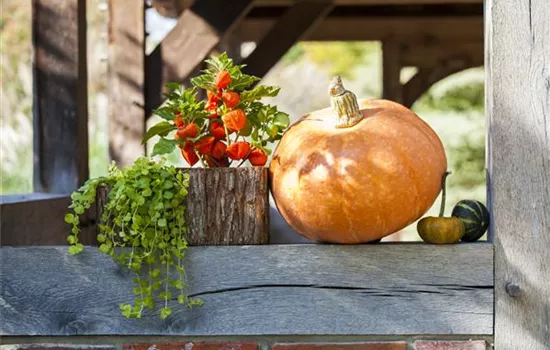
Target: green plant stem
<point x="444" y="193"/>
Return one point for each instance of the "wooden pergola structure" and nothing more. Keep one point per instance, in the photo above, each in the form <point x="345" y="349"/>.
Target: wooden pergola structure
<point x="498" y="288"/>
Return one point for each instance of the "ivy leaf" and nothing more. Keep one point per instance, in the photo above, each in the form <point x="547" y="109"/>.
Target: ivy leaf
<point x="69" y="218"/>
<point x="260" y="92"/>
<point x="163" y="146"/>
<point x="162" y="129"/>
<point x="75" y="249"/>
<point x="165" y="312"/>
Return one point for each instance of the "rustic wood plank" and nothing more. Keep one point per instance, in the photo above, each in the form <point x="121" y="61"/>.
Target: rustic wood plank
<point x="126" y="66"/>
<point x="391" y="70"/>
<point x="224" y="206"/>
<point x="449" y="28"/>
<point x="260" y="290"/>
<point x="198" y="30"/>
<point x="38" y="219"/>
<point x="374" y="2"/>
<point x="60" y="104"/>
<point x="296" y="23"/>
<point x="518" y="108"/>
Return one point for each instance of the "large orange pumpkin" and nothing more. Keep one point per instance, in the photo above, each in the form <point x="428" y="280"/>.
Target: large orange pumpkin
<point x="356" y="172"/>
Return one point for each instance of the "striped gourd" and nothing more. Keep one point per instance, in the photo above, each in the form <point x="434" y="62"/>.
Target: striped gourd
<point x="475" y="217"/>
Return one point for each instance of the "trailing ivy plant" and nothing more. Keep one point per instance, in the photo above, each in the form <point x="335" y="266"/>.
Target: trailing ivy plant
<point x="142" y="225"/>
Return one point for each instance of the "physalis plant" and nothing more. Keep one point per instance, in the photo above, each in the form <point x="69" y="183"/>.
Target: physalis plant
<point x="232" y="125"/>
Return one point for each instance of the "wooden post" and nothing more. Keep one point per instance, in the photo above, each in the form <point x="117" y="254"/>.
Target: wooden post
<point x="295" y="23"/>
<point x="60" y="105"/>
<point x="391" y="71"/>
<point x="126" y="80"/>
<point x="517" y="56"/>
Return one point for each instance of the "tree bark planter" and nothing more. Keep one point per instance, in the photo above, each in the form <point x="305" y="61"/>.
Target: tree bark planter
<point x="224" y="206"/>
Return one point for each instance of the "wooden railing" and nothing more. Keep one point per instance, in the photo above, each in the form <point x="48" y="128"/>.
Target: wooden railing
<point x="334" y="290"/>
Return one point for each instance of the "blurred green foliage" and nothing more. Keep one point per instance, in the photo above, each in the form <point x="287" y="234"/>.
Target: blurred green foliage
<point x="337" y="58"/>
<point x="461" y="98"/>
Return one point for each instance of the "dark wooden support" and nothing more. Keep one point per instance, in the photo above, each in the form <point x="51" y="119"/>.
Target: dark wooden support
<point x="391" y="70"/>
<point x="517" y="55"/>
<point x="446" y="29"/>
<point x="198" y="30"/>
<point x="126" y="80"/>
<point x="295" y="24"/>
<point x="60" y="105"/>
<point x="271" y="290"/>
<point x="38" y="219"/>
<point x="425" y="77"/>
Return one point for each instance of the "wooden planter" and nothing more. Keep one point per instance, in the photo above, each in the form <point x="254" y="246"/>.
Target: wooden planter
<point x="225" y="206"/>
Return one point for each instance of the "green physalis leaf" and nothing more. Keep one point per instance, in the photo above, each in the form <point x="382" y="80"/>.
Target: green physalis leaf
<point x="282" y="120"/>
<point x="161" y="222"/>
<point x="162" y="129"/>
<point x="172" y="86"/>
<point x="165" y="113"/>
<point x="163" y="146"/>
<point x="260" y="92"/>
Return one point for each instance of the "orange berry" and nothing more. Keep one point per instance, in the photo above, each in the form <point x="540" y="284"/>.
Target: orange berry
<point x="257" y="157"/>
<point x="238" y="150"/>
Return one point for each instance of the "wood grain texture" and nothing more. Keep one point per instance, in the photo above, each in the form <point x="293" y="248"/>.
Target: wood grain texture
<point x="126" y="67"/>
<point x="518" y="108"/>
<point x="260" y="290"/>
<point x="60" y="100"/>
<point x="38" y="219"/>
<point x="224" y="206"/>
<point x="295" y="23"/>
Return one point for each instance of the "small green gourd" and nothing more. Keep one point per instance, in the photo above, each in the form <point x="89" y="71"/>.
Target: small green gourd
<point x="475" y="217"/>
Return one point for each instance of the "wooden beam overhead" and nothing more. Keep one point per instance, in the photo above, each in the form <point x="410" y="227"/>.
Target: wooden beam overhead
<point x="373" y="2"/>
<point x="197" y="32"/>
<point x="377" y="28"/>
<point x="60" y="105"/>
<point x="126" y="80"/>
<point x="295" y="24"/>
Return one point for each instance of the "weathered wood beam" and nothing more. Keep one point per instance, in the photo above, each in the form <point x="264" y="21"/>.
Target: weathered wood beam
<point x="126" y="80"/>
<point x="373" y="2"/>
<point x="60" y="101"/>
<point x="426" y="53"/>
<point x="198" y="30"/>
<point x="391" y="70"/>
<point x="296" y="23"/>
<point x="517" y="55"/>
<point x="383" y="289"/>
<point x="465" y="28"/>
<point x="38" y="219"/>
<point x="426" y="76"/>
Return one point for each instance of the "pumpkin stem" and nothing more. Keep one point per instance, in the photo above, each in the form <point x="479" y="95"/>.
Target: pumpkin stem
<point x="444" y="194"/>
<point x="344" y="103"/>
